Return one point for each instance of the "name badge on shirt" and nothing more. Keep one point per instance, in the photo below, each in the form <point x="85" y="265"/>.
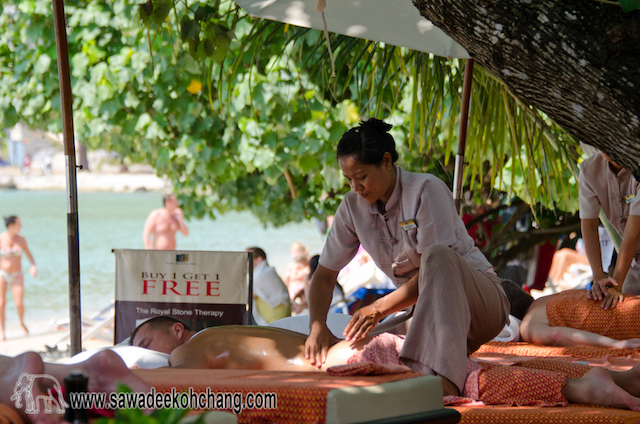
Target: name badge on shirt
<point x="408" y="225"/>
<point x="628" y="198"/>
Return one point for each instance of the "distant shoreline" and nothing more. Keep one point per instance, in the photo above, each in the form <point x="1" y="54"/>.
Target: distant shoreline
<point x="139" y="179"/>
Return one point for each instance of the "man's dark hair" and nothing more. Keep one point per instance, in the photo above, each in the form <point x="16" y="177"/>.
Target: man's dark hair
<point x="368" y="142"/>
<point x="166" y="198"/>
<point x="159" y="322"/>
<point x="8" y="220"/>
<point x="258" y="253"/>
<point x="519" y="299"/>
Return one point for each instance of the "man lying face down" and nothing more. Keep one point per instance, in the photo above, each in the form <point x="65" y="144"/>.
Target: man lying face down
<point x="265" y="348"/>
<point x="241" y="347"/>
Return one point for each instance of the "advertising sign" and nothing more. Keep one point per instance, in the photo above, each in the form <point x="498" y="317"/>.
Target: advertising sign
<point x="200" y="288"/>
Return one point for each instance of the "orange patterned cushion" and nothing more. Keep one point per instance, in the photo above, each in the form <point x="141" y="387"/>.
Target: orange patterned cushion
<point x="572" y="309"/>
<point x="519" y="386"/>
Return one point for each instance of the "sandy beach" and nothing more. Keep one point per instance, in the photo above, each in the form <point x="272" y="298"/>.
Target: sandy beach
<point x="104" y="178"/>
<point x="53" y="346"/>
<point x="53" y="343"/>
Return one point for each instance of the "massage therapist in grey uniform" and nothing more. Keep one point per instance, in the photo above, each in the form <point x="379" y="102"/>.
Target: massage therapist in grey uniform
<point x="407" y="222"/>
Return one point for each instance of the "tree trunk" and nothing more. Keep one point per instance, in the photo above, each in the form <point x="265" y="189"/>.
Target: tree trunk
<point x="578" y="61"/>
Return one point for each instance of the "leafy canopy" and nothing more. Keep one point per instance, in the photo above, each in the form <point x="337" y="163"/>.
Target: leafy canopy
<point x="243" y="114"/>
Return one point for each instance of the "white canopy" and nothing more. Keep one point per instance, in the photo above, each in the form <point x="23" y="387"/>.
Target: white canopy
<point x="395" y="22"/>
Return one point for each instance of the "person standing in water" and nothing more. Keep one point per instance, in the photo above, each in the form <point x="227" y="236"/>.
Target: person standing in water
<point x="12" y="246"/>
<point x="162" y="225"/>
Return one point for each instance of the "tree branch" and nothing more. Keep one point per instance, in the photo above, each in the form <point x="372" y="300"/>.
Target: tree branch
<point x="292" y="188"/>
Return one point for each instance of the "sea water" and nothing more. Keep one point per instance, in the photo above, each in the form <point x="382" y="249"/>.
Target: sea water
<point x="109" y="221"/>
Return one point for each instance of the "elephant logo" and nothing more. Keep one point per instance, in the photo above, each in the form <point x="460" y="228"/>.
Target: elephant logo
<point x="53" y="396"/>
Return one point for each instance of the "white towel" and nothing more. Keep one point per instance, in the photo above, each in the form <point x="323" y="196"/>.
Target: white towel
<point x="510" y="332"/>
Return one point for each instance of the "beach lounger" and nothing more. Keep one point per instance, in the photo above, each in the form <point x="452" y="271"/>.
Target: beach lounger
<point x="97" y="326"/>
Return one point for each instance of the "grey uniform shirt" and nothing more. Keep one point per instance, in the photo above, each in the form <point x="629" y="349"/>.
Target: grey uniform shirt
<point x="615" y="193"/>
<point x="423" y="198"/>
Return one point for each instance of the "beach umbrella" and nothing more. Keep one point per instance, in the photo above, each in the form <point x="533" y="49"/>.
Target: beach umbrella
<point x="395" y="22"/>
<point x="73" y="243"/>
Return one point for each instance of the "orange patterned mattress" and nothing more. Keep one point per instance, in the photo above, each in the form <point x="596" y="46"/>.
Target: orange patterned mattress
<point x="510" y="353"/>
<point x="301" y="396"/>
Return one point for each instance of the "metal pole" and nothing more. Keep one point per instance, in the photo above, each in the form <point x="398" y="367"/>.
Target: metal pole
<point x="462" y="137"/>
<point x="73" y="243"/>
<point x="250" y="311"/>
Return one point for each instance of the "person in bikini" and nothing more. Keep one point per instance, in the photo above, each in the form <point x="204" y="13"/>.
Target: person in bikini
<point x="12" y="246"/>
<point x="276" y="349"/>
<point x="162" y="224"/>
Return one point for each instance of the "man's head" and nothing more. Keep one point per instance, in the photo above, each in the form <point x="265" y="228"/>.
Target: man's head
<point x="519" y="299"/>
<point x="162" y="334"/>
<point x="170" y="201"/>
<point x="258" y="255"/>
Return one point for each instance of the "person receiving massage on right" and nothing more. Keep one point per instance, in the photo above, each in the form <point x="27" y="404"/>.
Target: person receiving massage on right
<point x="570" y="319"/>
<point x="543" y="382"/>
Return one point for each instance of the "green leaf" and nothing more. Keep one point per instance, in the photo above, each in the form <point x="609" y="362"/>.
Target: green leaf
<point x="189" y="64"/>
<point x="186" y="27"/>
<point x="42" y="64"/>
<point x="308" y="163"/>
<point x="263" y="159"/>
<point x="161" y="11"/>
<point x="629" y="5"/>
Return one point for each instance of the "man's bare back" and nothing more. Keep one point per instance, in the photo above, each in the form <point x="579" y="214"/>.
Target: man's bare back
<point x="236" y="347"/>
<point x="259" y="348"/>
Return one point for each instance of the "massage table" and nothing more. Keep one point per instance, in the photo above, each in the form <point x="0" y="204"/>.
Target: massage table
<point x="308" y="398"/>
<point x="317" y="397"/>
<point x="390" y="396"/>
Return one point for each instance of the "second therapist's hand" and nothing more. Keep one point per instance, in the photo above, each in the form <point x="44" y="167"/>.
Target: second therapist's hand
<point x="599" y="288"/>
<point x="316" y="347"/>
<point x="613" y="297"/>
<point x="362" y="322"/>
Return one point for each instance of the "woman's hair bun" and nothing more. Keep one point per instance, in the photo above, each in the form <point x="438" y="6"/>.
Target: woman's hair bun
<point x="368" y="142"/>
<point x="376" y="124"/>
